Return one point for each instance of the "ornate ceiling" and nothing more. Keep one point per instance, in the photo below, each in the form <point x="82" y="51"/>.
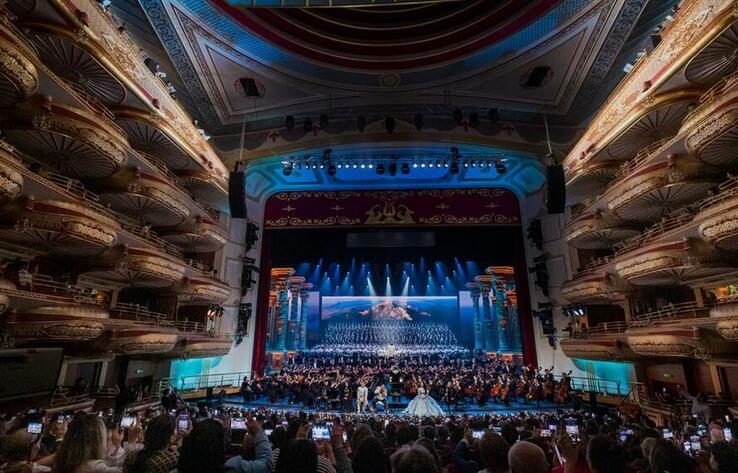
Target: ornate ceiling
<point x="399" y="60"/>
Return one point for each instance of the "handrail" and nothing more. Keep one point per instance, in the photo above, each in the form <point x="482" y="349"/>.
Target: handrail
<point x="711" y="94"/>
<point x="593" y="265"/>
<point x="725" y="190"/>
<point x="208" y="270"/>
<point x="137" y="311"/>
<point x="160" y="166"/>
<point x="197" y="382"/>
<point x="653" y="232"/>
<point x="641" y="156"/>
<point x="670" y="311"/>
<point x="43" y="281"/>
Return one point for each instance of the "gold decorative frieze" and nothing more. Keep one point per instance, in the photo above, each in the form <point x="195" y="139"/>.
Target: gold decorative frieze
<point x="11" y="183"/>
<point x="594" y="288"/>
<point x="647" y="263"/>
<point x="141" y="341"/>
<point x="595" y="349"/>
<point x="662" y="345"/>
<point x="16" y="65"/>
<point x="200" y="346"/>
<point x="60" y="323"/>
<point x="720" y="223"/>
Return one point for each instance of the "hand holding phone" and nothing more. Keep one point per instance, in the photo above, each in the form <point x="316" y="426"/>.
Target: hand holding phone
<point x="183" y="423"/>
<point x="35" y="427"/>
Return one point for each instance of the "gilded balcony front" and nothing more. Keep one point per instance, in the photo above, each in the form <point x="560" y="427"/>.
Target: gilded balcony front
<point x="58" y="227"/>
<point x="202" y="290"/>
<point x="197" y="235"/>
<point x="597" y="348"/>
<point x="11" y="181"/>
<point x="713" y="127"/>
<point x="141" y="340"/>
<point x="202" y="345"/>
<point x="144" y="196"/>
<point x="18" y="75"/>
<point x="67" y="323"/>
<point x="596" y="288"/>
<point x="70" y="140"/>
<point x="593" y="230"/>
<point x="136" y="267"/>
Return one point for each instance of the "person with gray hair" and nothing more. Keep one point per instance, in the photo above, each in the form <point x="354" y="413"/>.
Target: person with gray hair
<point x="527" y="457"/>
<point x="413" y="459"/>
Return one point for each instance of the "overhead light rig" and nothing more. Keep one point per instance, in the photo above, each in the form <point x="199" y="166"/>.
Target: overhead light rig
<point x="391" y="163"/>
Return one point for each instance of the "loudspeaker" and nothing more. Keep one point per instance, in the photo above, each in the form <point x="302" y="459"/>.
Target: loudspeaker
<point x="555" y="189"/>
<point x="250" y="87"/>
<point x="237" y="194"/>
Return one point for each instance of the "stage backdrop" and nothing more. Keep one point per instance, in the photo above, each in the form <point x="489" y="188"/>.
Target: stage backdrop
<point x="484" y="206"/>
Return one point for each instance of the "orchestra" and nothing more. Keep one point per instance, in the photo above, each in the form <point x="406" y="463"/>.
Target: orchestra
<point x="329" y="383"/>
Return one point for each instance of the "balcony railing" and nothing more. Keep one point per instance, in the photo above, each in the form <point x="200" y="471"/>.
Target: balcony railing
<point x="654" y="232"/>
<point x="683" y="310"/>
<point x="136" y="312"/>
<point x="43" y="285"/>
<point x="195" y="383"/>
<point x="725" y="191"/>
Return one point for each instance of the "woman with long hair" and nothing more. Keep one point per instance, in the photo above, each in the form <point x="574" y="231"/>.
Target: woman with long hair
<point x="84" y="447"/>
<point x="156" y="457"/>
<point x="203" y="448"/>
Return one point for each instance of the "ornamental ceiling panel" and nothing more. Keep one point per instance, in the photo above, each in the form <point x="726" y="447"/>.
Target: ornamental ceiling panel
<point x="473" y="53"/>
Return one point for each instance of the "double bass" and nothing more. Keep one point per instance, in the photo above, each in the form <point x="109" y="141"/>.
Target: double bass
<point x="548" y="385"/>
<point x="522" y="384"/>
<point x="505" y="391"/>
<point x="532" y="391"/>
<point x="562" y="390"/>
<point x="496" y="389"/>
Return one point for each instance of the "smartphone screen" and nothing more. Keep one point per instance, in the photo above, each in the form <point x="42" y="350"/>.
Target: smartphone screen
<point x="345" y="437"/>
<point x="60" y="420"/>
<point x="477" y="434"/>
<point x="127" y="421"/>
<point x="238" y="423"/>
<point x="728" y="434"/>
<point x="35" y="427"/>
<point x="183" y="423"/>
<point x="268" y="432"/>
<point x="696" y="445"/>
<point x="552" y="427"/>
<point x="545" y="432"/>
<point x="668" y="434"/>
<point x="572" y="429"/>
<point x="321" y="432"/>
<point x="496" y="429"/>
<point x="687" y="447"/>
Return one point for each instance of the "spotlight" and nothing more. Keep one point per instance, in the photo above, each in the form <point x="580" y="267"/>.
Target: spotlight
<point x="363" y="166"/>
<point x="415" y="165"/>
<point x="466" y="164"/>
<point x="454" y="168"/>
<point x="389" y="124"/>
<point x="419" y="122"/>
<point x="380" y="169"/>
<point x="370" y="165"/>
<point x="457" y="116"/>
<point x="361" y="123"/>
<point x="289" y="122"/>
<point x="430" y="164"/>
<point x="307" y="125"/>
<point x="339" y="166"/>
<point x="405" y="169"/>
<point x="355" y="166"/>
<point x="287" y="169"/>
<point x="500" y="167"/>
<point x="422" y="165"/>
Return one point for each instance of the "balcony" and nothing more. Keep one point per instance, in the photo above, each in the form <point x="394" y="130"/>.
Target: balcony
<point x="28" y="290"/>
<point x="11" y="181"/>
<point x="589" y="180"/>
<point x="659" y="188"/>
<point x="718" y="215"/>
<point x="671" y="264"/>
<point x="57" y="227"/>
<point x="602" y="345"/>
<point x="725" y="314"/>
<point x="201" y="291"/>
<point x="141" y="340"/>
<point x="151" y="134"/>
<point x="136" y="267"/>
<point x="596" y="288"/>
<point x="203" y="345"/>
<point x="595" y="230"/>
<point x="205" y="187"/>
<point x="679" y="341"/>
<point x="713" y="127"/>
<point x="70" y="140"/>
<point x="697" y="41"/>
<point x="199" y="235"/>
<point x="18" y="75"/>
<point x="144" y="196"/>
<point x="60" y="323"/>
<point x="75" y="61"/>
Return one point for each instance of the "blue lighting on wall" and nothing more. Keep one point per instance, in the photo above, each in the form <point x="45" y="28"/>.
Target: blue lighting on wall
<point x="609" y="373"/>
<point x="363" y="278"/>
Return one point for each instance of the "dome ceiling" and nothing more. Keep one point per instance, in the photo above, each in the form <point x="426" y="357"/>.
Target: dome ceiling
<point x="389" y="37"/>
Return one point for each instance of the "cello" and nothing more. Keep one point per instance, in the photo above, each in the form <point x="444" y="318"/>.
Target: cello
<point x="532" y="391"/>
<point x="505" y="392"/>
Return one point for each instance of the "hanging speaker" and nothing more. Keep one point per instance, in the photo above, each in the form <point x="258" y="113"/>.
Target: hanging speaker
<point x="250" y="87"/>
<point x="237" y="194"/>
<point x="555" y="189"/>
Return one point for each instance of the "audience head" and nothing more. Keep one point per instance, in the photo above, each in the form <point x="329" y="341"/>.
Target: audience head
<point x="299" y="456"/>
<point x="413" y="459"/>
<point x="361" y="432"/>
<point x="666" y="457"/>
<point x="203" y="449"/>
<point x="85" y="440"/>
<point x="723" y="457"/>
<point x="16" y="446"/>
<point x="604" y="455"/>
<point x="493" y="451"/>
<point x="369" y="457"/>
<point x="527" y="457"/>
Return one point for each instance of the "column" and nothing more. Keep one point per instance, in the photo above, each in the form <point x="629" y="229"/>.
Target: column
<point x="502" y="326"/>
<point x="474" y="293"/>
<point x="304" y="298"/>
<point x="491" y="341"/>
<point x="283" y="310"/>
<point x="294" y="313"/>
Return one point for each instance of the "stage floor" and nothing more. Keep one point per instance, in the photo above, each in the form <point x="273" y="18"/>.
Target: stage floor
<point x="469" y="409"/>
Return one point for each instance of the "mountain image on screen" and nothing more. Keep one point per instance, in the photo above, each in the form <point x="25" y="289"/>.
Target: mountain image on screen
<point x="411" y="309"/>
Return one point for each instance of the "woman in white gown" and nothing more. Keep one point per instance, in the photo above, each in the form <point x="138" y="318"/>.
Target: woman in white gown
<point x="423" y="405"/>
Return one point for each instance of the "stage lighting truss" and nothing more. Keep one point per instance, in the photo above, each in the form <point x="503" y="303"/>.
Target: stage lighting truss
<point x="452" y="162"/>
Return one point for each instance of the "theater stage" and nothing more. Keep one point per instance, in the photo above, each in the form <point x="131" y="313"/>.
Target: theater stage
<point x="471" y="409"/>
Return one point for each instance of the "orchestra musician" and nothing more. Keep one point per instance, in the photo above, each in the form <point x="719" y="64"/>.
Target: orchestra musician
<point x="362" y="397"/>
<point x="380" y="397"/>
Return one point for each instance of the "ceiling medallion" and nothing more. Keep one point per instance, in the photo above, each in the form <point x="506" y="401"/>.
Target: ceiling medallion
<point x="389" y="80"/>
